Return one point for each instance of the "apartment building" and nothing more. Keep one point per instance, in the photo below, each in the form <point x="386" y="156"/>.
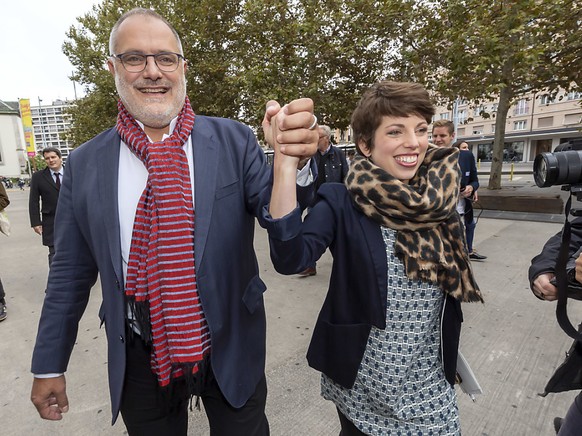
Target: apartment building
<point x="50" y="121"/>
<point x="13" y="159"/>
<point x="536" y="123"/>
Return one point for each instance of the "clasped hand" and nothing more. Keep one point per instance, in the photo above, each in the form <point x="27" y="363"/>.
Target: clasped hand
<point x="287" y="129"/>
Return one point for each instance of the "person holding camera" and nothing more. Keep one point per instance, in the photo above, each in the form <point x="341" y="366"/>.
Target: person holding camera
<point x="541" y="277"/>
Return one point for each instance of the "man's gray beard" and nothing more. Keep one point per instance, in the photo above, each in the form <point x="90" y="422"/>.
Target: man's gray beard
<point x="141" y="113"/>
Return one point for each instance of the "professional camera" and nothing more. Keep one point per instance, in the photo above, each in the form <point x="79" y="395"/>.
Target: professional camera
<point x="562" y="167"/>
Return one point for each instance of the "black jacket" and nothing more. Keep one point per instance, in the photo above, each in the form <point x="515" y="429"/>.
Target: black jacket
<point x="43" y="189"/>
<point x="545" y="262"/>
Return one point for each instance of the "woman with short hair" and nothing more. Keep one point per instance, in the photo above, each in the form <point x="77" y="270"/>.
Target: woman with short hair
<point x="386" y="339"/>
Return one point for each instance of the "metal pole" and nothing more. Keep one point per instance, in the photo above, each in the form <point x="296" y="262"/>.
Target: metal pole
<point x="40" y="120"/>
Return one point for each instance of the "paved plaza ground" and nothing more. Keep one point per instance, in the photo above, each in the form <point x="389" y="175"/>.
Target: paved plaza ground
<point x="512" y="341"/>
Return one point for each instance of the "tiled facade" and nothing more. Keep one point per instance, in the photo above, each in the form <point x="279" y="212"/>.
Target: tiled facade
<point x="534" y="124"/>
<point x="49" y="123"/>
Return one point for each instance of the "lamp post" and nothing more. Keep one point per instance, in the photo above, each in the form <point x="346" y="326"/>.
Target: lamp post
<point x="40" y="120"/>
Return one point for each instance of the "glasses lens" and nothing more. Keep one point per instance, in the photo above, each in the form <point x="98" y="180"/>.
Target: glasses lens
<point x="133" y="62"/>
<point x="167" y="61"/>
<point x="136" y="62"/>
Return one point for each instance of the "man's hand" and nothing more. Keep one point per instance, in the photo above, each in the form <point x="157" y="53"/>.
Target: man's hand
<point x="467" y="192"/>
<point x="49" y="396"/>
<point x="543" y="289"/>
<point x="37" y="229"/>
<point x="288" y="130"/>
<point x="579" y="269"/>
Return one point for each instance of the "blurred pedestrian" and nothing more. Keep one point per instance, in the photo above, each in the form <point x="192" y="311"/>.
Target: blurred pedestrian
<point x="43" y="198"/>
<point x="443" y="135"/>
<point x="386" y="339"/>
<point x="332" y="167"/>
<point x="4" y="202"/>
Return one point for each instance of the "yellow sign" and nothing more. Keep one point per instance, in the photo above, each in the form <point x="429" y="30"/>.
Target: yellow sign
<point x="26" y="117"/>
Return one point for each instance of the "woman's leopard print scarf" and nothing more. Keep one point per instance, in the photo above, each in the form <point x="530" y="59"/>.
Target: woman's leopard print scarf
<point x="430" y="238"/>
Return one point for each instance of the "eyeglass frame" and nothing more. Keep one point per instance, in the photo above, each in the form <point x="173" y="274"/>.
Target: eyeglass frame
<point x="145" y="64"/>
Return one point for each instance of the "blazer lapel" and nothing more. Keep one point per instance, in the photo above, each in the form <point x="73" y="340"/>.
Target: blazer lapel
<point x="205" y="172"/>
<point x="47" y="174"/>
<point x="107" y="171"/>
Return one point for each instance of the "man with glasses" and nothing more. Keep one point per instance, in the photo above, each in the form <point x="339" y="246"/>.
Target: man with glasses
<point x="162" y="207"/>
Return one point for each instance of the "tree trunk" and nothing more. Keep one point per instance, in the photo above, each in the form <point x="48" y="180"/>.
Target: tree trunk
<point x="505" y="97"/>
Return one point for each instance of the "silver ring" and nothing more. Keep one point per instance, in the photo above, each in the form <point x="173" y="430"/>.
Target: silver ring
<point x="314" y="122"/>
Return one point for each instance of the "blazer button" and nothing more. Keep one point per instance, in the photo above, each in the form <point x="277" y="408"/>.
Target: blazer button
<point x="121" y="339"/>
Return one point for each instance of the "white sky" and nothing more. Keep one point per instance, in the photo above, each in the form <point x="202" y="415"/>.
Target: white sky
<point x="32" y="63"/>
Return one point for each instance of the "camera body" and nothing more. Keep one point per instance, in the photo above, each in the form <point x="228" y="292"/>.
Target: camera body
<point x="563" y="167"/>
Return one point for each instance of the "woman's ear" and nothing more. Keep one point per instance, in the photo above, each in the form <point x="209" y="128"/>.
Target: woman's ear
<point x="364" y="149"/>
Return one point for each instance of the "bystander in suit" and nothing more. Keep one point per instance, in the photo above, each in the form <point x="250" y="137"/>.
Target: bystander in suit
<point x="443" y="135"/>
<point x="43" y="198"/>
<point x="162" y="207"/>
<point x="332" y="167"/>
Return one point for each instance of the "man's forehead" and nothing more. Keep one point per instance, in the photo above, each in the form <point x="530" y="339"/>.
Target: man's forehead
<point x="139" y="29"/>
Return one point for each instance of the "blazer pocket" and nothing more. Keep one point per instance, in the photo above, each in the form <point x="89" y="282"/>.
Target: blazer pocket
<point x="227" y="190"/>
<point x="253" y="296"/>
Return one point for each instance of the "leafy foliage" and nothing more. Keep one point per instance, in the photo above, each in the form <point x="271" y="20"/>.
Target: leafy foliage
<point x="243" y="53"/>
<point x="500" y="49"/>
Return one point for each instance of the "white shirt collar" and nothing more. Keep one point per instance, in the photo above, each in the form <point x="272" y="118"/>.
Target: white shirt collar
<point x="172" y="127"/>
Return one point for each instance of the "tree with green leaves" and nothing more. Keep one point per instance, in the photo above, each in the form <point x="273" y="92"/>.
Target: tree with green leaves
<point x="498" y="50"/>
<point x="241" y="54"/>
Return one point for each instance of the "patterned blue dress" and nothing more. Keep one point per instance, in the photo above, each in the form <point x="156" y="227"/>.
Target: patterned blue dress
<point x="400" y="388"/>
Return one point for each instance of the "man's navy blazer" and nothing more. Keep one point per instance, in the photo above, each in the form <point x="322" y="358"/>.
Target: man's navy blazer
<point x="232" y="184"/>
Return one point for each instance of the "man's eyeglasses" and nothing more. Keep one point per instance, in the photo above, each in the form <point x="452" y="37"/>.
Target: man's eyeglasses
<point x="136" y="62"/>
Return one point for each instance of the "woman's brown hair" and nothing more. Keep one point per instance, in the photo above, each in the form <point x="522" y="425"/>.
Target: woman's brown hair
<point x="392" y="99"/>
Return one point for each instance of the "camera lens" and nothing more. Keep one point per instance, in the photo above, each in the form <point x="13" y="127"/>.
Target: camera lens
<point x="559" y="168"/>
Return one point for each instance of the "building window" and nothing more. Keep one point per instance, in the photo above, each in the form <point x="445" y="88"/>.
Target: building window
<point x="513" y="151"/>
<point x="521" y="107"/>
<point x="478" y="130"/>
<point x="462" y="116"/>
<point x="479" y="111"/>
<point x="546" y="122"/>
<point x="574" y="95"/>
<point x="519" y="125"/>
<point x="492" y="128"/>
<point x="494" y="107"/>
<point x="485" y="151"/>
<point x="573" y="118"/>
<point x="444" y="116"/>
<point x="546" y="99"/>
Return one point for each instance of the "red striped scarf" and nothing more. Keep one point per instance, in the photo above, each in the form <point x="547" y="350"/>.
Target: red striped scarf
<point x="161" y="275"/>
